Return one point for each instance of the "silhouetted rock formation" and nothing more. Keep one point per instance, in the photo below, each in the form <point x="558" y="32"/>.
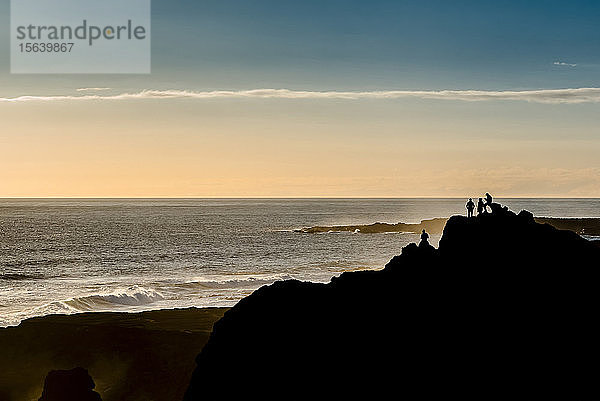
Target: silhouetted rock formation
<point x="142" y="356"/>
<point x="506" y="307"/>
<point x="69" y="385"/>
<point x="586" y="225"/>
<point x="431" y="225"/>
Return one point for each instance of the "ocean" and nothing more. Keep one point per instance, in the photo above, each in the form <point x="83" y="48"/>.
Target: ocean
<point x="81" y="255"/>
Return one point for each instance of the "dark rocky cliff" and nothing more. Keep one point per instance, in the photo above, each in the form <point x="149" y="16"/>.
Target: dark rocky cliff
<point x="506" y="307"/>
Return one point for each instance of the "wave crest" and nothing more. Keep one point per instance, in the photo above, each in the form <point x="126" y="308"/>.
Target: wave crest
<point x="242" y="282"/>
<point x="132" y="296"/>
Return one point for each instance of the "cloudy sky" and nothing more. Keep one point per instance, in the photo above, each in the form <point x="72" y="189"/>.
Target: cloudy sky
<point x="321" y="98"/>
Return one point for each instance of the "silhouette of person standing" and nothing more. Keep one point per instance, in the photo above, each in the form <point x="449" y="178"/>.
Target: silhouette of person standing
<point x="424" y="238"/>
<point x="480" y="206"/>
<point x="470" y="206"/>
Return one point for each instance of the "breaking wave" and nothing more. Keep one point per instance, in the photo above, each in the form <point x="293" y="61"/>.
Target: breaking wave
<point x="132" y="296"/>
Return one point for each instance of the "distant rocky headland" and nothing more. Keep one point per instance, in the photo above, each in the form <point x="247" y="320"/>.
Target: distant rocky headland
<point x="431" y="226"/>
<point x="583" y="226"/>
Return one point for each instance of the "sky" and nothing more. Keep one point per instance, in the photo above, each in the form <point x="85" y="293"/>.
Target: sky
<point x="321" y="98"/>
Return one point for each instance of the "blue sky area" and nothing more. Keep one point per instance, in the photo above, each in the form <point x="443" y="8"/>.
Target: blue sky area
<point x="354" y="45"/>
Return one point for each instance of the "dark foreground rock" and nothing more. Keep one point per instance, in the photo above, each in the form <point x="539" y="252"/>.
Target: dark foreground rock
<point x="69" y="385"/>
<point x="506" y="307"/>
<point x="145" y="356"/>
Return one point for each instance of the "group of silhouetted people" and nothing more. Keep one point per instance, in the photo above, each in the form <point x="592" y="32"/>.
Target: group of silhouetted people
<point x="482" y="208"/>
<point x="481" y="205"/>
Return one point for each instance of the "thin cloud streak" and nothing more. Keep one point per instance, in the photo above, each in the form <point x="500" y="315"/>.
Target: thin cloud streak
<point x="92" y="89"/>
<point x="562" y="63"/>
<point x="548" y="96"/>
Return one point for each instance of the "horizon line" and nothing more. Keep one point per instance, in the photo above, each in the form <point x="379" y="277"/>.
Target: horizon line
<point x="278" y="197"/>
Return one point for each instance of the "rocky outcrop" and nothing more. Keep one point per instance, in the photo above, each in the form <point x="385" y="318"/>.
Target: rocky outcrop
<point x="69" y="385"/>
<point x="583" y="226"/>
<point x="431" y="225"/>
<point x="505" y="307"/>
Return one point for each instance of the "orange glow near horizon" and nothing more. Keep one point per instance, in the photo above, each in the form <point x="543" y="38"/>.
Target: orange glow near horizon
<point x="190" y="148"/>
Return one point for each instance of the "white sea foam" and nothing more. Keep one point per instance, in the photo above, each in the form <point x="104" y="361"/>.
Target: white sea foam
<point x="108" y="300"/>
<point x="131" y="296"/>
<point x="128" y="298"/>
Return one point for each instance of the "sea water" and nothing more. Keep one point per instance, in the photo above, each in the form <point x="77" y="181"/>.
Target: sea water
<point x="79" y="255"/>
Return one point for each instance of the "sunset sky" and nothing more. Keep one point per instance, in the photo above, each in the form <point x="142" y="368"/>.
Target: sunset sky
<point x="321" y="98"/>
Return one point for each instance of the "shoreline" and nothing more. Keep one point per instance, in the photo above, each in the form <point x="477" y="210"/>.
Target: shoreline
<point x="121" y="351"/>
